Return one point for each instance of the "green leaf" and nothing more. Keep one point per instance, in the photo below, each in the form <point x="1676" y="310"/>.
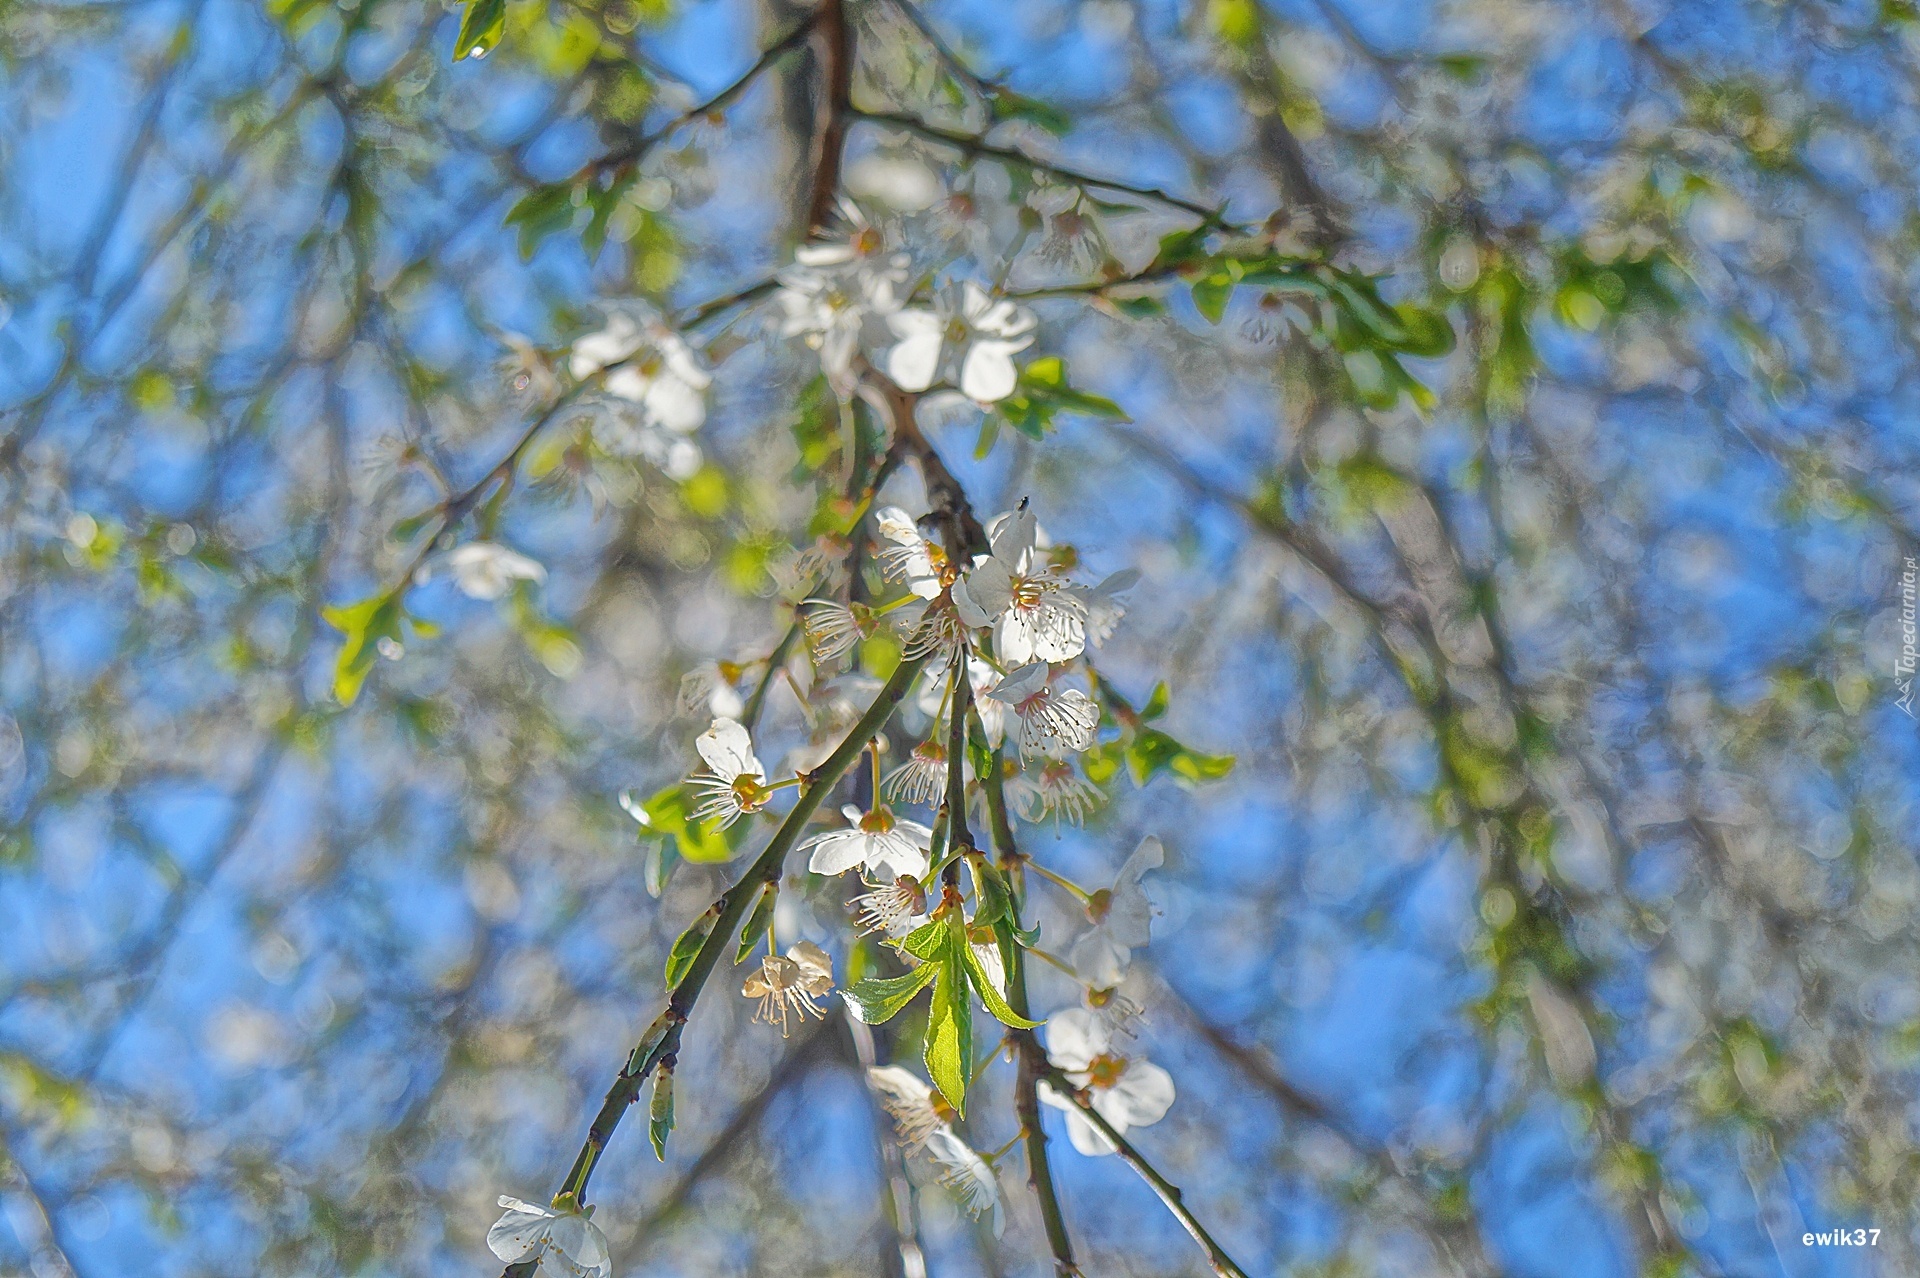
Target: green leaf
<point x="1008" y="105"/>
<point x="1152" y="752"/>
<point x="878" y="999"/>
<point x="603" y="203"/>
<point x="992" y="901"/>
<point x="1156" y="703"/>
<point x="1146" y="306"/>
<point x="996" y="1003"/>
<point x="687" y="947"/>
<point x="364" y="624"/>
<point x="925" y="941"/>
<point x="539" y="213"/>
<point x="480" y="29"/>
<point x="758" y="922"/>
<point x="1211" y="294"/>
<point x="660" y="1112"/>
<point x="949" y="1039"/>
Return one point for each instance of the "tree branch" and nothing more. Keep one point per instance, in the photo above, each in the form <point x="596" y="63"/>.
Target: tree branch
<point x="835" y="105"/>
<point x="1169" y="1193"/>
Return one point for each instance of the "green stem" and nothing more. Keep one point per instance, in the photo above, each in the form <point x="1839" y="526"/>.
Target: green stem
<point x="1222" y="1264"/>
<point x="750" y="716"/>
<point x="1032" y="1057"/>
<point x="662" y="1038"/>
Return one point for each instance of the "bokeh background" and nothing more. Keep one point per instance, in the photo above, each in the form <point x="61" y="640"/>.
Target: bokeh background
<point x="1556" y="918"/>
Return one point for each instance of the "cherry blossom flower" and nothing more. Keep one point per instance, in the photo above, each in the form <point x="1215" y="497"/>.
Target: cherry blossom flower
<point x="891" y="908"/>
<point x="973" y="339"/>
<point x="917" y="1110"/>
<point x="911" y="559"/>
<point x="484" y="569"/>
<point x="562" y="1244"/>
<point x="709" y="689"/>
<point x="648" y="364"/>
<point x="1122" y="917"/>
<point x="1035" y="617"/>
<point x="924" y="1121"/>
<point x="1102" y="603"/>
<point x="1057" y="790"/>
<point x="791" y="985"/>
<point x="836" y="287"/>
<point x="922" y="778"/>
<point x="876" y="841"/>
<point x="734" y="782"/>
<point x="1126" y="1091"/>
<point x="1053" y="721"/>
<point x="968" y="1175"/>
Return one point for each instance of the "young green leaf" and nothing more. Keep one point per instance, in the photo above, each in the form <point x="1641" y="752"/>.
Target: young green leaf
<point x="878" y="999"/>
<point x="757" y="922"/>
<point x="925" y="941"/>
<point x="660" y="1112"/>
<point x="990" y="994"/>
<point x="949" y="1040"/>
<point x="687" y="947"/>
<point x="480" y="29"/>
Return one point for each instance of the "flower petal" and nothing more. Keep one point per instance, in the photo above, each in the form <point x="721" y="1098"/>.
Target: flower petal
<point x="836" y="851"/>
<point x="1141" y="1098"/>
<point x="984" y="593"/>
<point x="1074" y="1037"/>
<point x="914" y="361"/>
<point x="728" y="750"/>
<point x="987" y="375"/>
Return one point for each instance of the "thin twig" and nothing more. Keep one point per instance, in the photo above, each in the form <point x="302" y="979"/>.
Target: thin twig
<point x="975" y="145"/>
<point x="1169" y="1193"/>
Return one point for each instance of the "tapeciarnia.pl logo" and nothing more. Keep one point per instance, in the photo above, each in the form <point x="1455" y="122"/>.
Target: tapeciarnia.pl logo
<point x="1903" y="665"/>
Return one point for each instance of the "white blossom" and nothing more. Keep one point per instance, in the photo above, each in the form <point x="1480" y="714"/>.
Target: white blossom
<point x="563" y="1244"/>
<point x="1122" y="918"/>
<point x="1053" y="721"/>
<point x="791" y="985"/>
<point x="911" y="559"/>
<point x="924" y="1121"/>
<point x="1126" y="1091"/>
<point x="972" y="339"/>
<point x="836" y="287"/>
<point x="734" y="781"/>
<point x="1056" y="790"/>
<point x="917" y="1110"/>
<point x="892" y="909"/>
<point x="1035" y="617"/>
<point x="648" y="364"/>
<point x="968" y="1175"/>
<point x="485" y="569"/>
<point x="877" y="841"/>
<point x="1102" y="604"/>
<point x="708" y="689"/>
<point x="922" y="778"/>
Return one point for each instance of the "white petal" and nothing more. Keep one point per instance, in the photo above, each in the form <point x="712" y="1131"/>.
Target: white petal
<point x="1131" y="913"/>
<point x="984" y="593"/>
<point x="674" y="405"/>
<point x="1141" y="1098"/>
<point x="579" y="1240"/>
<point x="914" y="361"/>
<point x="1086" y="1137"/>
<point x="728" y="750"/>
<point x="1021" y="684"/>
<point x="1013" y="538"/>
<point x="1074" y="1037"/>
<point x="836" y="851"/>
<point x="899" y="1083"/>
<point x="902" y="850"/>
<point x="987" y="375"/>
<point x="628" y="383"/>
<point x="519" y="1231"/>
<point x="1100" y="959"/>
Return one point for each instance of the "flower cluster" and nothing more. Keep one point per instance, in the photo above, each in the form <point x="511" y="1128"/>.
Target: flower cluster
<point x="644" y="364"/>
<point x="845" y="298"/>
